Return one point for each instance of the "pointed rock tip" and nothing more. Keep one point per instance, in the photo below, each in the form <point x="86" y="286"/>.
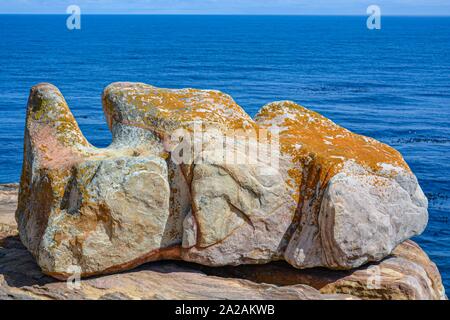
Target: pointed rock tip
<point x="49" y="114"/>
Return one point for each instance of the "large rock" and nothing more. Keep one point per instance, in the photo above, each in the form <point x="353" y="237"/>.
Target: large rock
<point x="22" y="279"/>
<point x="407" y="274"/>
<point x="357" y="198"/>
<point x="179" y="182"/>
<point x="111" y="209"/>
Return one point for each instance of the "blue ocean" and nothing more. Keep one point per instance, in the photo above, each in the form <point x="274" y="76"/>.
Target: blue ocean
<point x="392" y="84"/>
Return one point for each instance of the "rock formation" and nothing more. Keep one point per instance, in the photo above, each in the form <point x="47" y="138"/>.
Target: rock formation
<point x="21" y="278"/>
<point x="333" y="198"/>
<point x="357" y="198"/>
<point x="407" y="274"/>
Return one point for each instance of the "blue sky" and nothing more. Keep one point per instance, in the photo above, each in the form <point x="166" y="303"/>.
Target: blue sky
<point x="326" y="7"/>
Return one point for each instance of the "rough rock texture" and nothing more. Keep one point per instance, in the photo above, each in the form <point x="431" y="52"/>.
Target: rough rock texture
<point x="8" y="200"/>
<point x="339" y="200"/>
<point x="408" y="274"/>
<point x="111" y="209"/>
<point x="21" y="278"/>
<point x="231" y="211"/>
<point x="357" y="198"/>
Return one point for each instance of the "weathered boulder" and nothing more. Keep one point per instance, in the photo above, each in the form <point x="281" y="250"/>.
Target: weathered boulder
<point x="21" y="279"/>
<point x="406" y="274"/>
<point x="228" y="203"/>
<point x="111" y="209"/>
<point x="180" y="181"/>
<point x="101" y="210"/>
<point x="357" y="198"/>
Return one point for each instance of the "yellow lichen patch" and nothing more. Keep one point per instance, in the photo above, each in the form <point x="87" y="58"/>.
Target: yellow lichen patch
<point x="145" y="106"/>
<point x="319" y="148"/>
<point x="47" y="108"/>
<point x="305" y="132"/>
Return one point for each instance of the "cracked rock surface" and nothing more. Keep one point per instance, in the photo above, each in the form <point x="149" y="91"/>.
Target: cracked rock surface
<point x="335" y="199"/>
<point x="406" y="274"/>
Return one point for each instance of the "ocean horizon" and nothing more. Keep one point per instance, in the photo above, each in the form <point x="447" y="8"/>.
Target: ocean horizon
<point x="391" y="84"/>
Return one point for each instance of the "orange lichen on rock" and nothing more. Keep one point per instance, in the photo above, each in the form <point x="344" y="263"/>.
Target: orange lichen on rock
<point x="139" y="104"/>
<point x="339" y="178"/>
<point x="307" y="137"/>
<point x="48" y="109"/>
<point x="335" y="199"/>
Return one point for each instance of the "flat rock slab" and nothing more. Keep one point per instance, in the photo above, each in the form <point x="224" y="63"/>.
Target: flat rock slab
<point x="407" y="274"/>
<point x="8" y="203"/>
<point x="21" y="278"/>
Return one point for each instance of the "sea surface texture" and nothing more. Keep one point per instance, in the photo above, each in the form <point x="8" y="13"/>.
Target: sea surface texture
<point x="392" y="84"/>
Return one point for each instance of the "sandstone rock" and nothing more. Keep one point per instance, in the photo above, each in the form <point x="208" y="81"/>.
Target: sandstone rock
<point x="357" y="198"/>
<point x="162" y="191"/>
<point x="407" y="274"/>
<point x="8" y="199"/>
<point x="101" y="210"/>
<point x="21" y="279"/>
<point x="115" y="208"/>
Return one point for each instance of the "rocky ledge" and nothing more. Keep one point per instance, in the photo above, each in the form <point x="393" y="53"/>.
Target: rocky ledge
<point x="190" y="176"/>
<point x="406" y="274"/>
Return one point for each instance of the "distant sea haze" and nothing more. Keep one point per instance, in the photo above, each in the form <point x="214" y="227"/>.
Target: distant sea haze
<point x="392" y="84"/>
